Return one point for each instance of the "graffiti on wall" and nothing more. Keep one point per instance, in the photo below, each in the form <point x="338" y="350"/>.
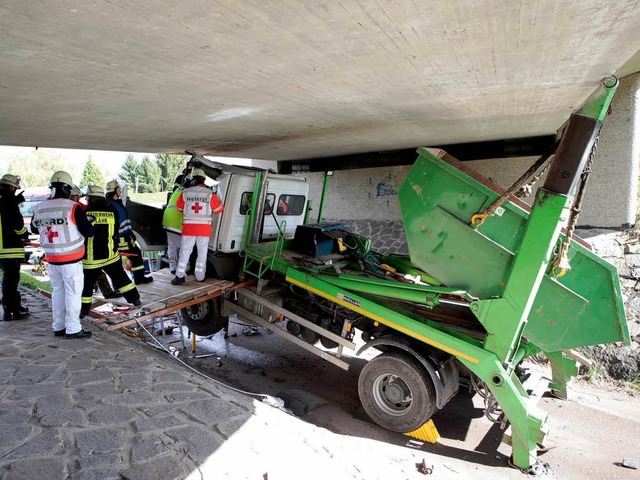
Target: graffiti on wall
<point x="384" y="187"/>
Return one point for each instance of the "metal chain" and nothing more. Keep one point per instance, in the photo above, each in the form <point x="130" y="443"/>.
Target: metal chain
<point x="525" y="190"/>
<point x="479" y="218"/>
<point x="561" y="262"/>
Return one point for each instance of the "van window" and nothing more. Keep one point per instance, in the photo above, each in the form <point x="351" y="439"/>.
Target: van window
<point x="26" y="207"/>
<point x="290" y="205"/>
<point x="245" y="203"/>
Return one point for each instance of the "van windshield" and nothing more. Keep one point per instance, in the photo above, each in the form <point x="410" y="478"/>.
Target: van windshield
<point x="26" y="207"/>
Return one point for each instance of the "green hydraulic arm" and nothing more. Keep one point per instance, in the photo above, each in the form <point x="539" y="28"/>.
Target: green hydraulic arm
<point x="505" y="318"/>
<point x="505" y="262"/>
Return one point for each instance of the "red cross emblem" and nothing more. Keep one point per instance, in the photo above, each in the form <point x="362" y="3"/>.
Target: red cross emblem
<point x="50" y="234"/>
<point x="197" y="207"/>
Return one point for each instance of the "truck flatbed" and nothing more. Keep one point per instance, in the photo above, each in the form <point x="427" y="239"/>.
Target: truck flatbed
<point x="158" y="298"/>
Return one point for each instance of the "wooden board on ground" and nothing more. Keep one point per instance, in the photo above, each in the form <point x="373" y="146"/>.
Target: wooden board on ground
<point x="158" y="298"/>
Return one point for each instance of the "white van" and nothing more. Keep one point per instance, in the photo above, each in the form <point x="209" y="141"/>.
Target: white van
<point x="286" y="204"/>
<point x="285" y="208"/>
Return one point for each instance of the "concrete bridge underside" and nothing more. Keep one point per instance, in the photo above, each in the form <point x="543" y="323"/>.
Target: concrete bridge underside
<point x="319" y="82"/>
<point x="287" y="80"/>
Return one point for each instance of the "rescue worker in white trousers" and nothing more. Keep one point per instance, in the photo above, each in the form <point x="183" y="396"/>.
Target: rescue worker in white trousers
<point x="63" y="226"/>
<point x="197" y="203"/>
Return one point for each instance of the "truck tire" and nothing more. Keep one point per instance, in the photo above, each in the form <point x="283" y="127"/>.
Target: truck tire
<point x="203" y="318"/>
<point x="397" y="392"/>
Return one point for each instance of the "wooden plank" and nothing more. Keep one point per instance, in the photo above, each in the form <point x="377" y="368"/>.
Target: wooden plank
<point x="103" y="316"/>
<point x="43" y="292"/>
<point x="160" y="297"/>
<point x="172" y="309"/>
<point x="161" y="291"/>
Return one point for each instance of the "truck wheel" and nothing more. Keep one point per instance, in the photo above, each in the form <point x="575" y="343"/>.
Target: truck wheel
<point x="203" y="318"/>
<point x="397" y="392"/>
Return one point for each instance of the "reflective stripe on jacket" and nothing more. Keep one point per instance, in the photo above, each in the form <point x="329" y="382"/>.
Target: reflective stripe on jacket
<point x="101" y="249"/>
<point x="172" y="217"/>
<point x="12" y="230"/>
<point x="198" y="204"/>
<point x="124" y="227"/>
<point x="60" y="238"/>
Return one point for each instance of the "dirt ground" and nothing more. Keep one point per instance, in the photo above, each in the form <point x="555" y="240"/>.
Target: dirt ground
<point x="590" y="435"/>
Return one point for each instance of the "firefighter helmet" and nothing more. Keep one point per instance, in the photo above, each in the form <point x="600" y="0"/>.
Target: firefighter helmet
<point x="197" y="172"/>
<point x="11" y="180"/>
<point x="112" y="186"/>
<point x="95" y="191"/>
<point x="76" y="191"/>
<point x="61" y="177"/>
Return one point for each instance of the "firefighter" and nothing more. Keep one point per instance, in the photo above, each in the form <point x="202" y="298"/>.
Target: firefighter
<point x="63" y="226"/>
<point x="172" y="223"/>
<point x="197" y="203"/>
<point x="126" y="240"/>
<point x="13" y="234"/>
<point x="101" y="251"/>
<point x="101" y="281"/>
<point x="76" y="194"/>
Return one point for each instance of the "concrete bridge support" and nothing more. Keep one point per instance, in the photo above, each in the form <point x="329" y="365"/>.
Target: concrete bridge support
<point x="612" y="192"/>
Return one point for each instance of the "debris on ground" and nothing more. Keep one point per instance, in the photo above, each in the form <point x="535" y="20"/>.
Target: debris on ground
<point x="202" y="356"/>
<point x="423" y="468"/>
<point x="539" y="468"/>
<point x="250" y="331"/>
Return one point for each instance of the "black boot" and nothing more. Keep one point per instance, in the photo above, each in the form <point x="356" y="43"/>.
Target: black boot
<point x="21" y="312"/>
<point x="80" y="334"/>
<point x="142" y="279"/>
<point x="15" y="315"/>
<point x="85" y="309"/>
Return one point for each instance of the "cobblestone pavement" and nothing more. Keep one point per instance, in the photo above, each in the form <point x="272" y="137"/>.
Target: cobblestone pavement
<point x="111" y="408"/>
<point x="107" y="408"/>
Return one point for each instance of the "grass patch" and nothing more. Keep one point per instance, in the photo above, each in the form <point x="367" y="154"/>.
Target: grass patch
<point x="156" y="199"/>
<point x="32" y="283"/>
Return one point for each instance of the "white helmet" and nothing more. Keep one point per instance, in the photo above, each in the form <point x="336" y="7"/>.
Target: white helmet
<point x="11" y="180"/>
<point x="76" y="191"/>
<point x="95" y="191"/>
<point x="112" y="185"/>
<point x="61" y="177"/>
<point x="197" y="172"/>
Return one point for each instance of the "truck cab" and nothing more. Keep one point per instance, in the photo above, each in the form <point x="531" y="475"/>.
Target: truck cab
<point x="285" y="206"/>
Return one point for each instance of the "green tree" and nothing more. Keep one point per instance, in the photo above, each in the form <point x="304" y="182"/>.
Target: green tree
<point x="36" y="167"/>
<point x="170" y="167"/>
<point x="149" y="176"/>
<point x="130" y="173"/>
<point x="91" y="175"/>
